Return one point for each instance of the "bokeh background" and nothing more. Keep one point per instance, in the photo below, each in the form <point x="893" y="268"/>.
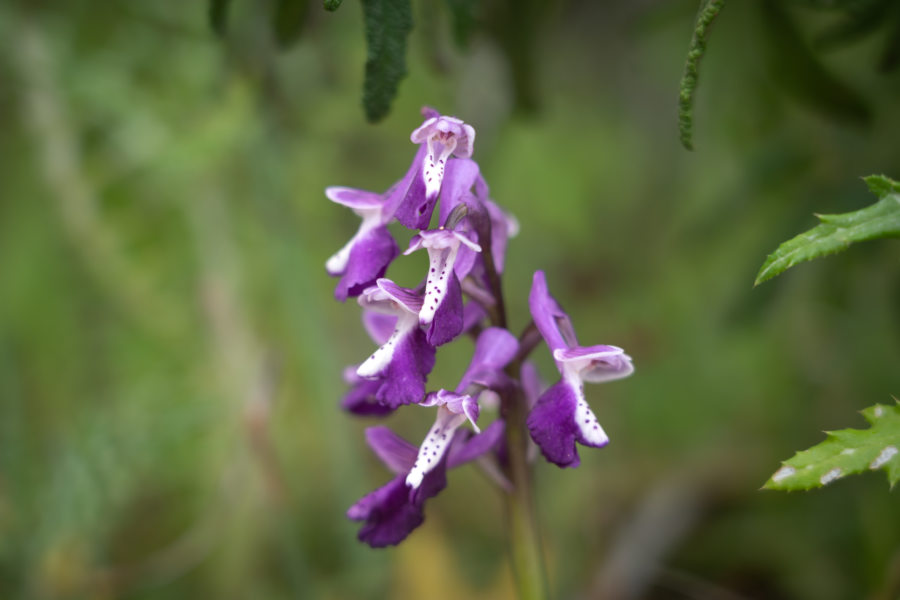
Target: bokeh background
<point x="171" y="354"/>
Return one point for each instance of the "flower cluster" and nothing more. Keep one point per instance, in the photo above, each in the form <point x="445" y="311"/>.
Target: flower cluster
<point x="459" y="294"/>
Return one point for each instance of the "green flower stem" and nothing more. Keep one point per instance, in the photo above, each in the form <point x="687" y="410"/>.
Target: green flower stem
<point x="524" y="538"/>
<point x="525" y="550"/>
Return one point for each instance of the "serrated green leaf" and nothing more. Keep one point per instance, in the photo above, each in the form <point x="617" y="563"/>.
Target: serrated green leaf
<point x="846" y="452"/>
<point x="388" y="23"/>
<point x="288" y="20"/>
<point x="218" y="16"/>
<point x="709" y="10"/>
<point x="837" y="232"/>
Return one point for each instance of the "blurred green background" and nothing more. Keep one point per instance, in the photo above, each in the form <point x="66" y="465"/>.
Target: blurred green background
<point x="171" y="354"/>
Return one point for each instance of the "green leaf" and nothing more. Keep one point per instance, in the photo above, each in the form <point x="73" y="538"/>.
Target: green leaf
<point x="846" y="452"/>
<point x="836" y="232"/>
<point x="709" y="10"/>
<point x="288" y="20"/>
<point x="218" y="16"/>
<point x="332" y="5"/>
<point x="388" y="23"/>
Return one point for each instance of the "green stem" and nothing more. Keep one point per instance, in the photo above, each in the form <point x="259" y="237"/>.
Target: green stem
<point x="524" y="538"/>
<point x="525" y="550"/>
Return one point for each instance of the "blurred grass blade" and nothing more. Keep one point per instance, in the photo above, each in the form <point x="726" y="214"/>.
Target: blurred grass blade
<point x="462" y="18"/>
<point x="709" y="10"/>
<point x="218" y="16"/>
<point x="836" y="232"/>
<point x="387" y="23"/>
<point x="288" y="20"/>
<point x="846" y="452"/>
<point x="332" y="5"/>
<point x="801" y="73"/>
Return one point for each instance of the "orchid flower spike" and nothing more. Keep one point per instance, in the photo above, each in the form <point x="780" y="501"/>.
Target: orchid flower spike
<point x="403" y="362"/>
<point x="367" y="255"/>
<point x="441" y="137"/>
<point x="561" y="416"/>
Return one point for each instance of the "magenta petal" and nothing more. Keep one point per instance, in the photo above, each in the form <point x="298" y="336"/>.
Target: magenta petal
<point x="494" y="349"/>
<point x="465" y="261"/>
<point x="406" y="298"/>
<point x="459" y="178"/>
<point x="473" y="313"/>
<point x="552" y="425"/>
<point x="369" y="259"/>
<point x="398" y="192"/>
<point x="531" y="383"/>
<point x="448" y="319"/>
<point x="389" y="514"/>
<point x="395" y="452"/>
<point x="502" y="227"/>
<point x="354" y="198"/>
<point x="361" y="400"/>
<point x="548" y="315"/>
<point x="403" y="381"/>
<point x="378" y="325"/>
<point x="416" y="207"/>
<point x="465" y="450"/>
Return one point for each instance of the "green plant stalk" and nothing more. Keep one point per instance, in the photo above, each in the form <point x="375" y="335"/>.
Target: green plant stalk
<point x="523" y="536"/>
<point x="525" y="549"/>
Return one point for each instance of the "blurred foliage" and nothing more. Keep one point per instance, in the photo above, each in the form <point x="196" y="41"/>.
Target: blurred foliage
<point x="170" y="355"/>
<point x="837" y="232"/>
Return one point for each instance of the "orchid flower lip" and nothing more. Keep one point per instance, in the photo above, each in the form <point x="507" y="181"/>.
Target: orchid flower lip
<point x="435" y="446"/>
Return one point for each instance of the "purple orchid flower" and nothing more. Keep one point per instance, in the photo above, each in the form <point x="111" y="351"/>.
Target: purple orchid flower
<point x="394" y="510"/>
<point x="561" y="416"/>
<point x="494" y="349"/>
<point x="441" y="137"/>
<point x="367" y="255"/>
<point x="403" y="362"/>
<point x="442" y="307"/>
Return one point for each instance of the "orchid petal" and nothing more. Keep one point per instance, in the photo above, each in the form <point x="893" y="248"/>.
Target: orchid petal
<point x="396" y="453"/>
